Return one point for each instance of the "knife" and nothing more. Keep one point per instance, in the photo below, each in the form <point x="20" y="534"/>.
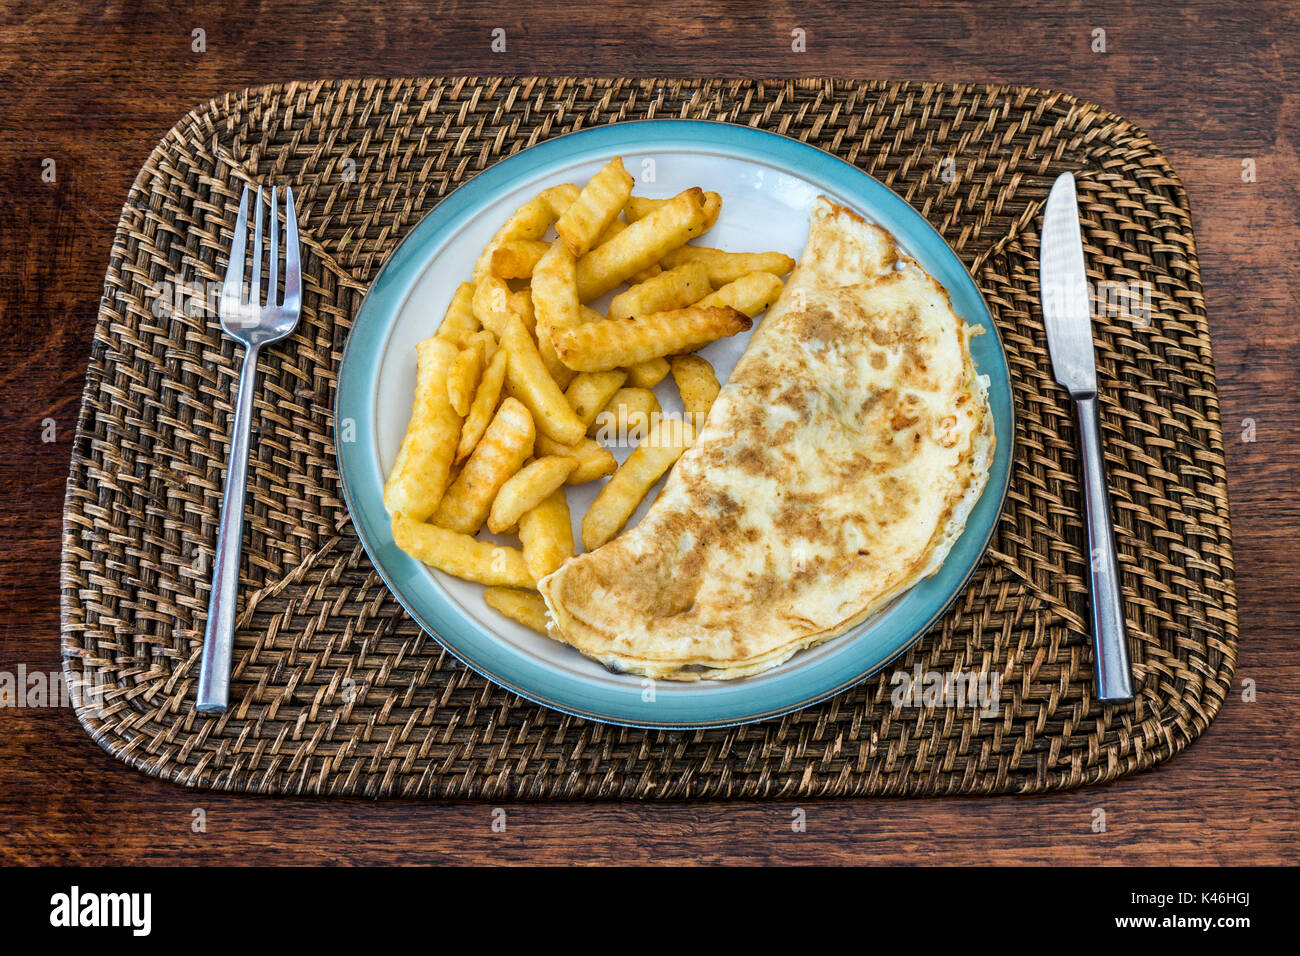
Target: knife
<point x="1067" y="316"/>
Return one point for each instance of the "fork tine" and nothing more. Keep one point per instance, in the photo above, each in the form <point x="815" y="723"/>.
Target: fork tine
<point x="232" y="289"/>
<point x="292" y="262"/>
<point x="255" y="287"/>
<point x="273" y="277"/>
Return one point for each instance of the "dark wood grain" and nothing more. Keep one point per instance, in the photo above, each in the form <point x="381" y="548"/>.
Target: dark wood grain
<point x="93" y="86"/>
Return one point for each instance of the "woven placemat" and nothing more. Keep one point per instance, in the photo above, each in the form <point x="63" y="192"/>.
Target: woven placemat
<point x="336" y="691"/>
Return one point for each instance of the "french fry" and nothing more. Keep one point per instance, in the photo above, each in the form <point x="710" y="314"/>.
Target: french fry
<point x="485" y="339"/>
<point x="555" y="292"/>
<point x="598" y="346"/>
<point x="599" y="204"/>
<point x="517" y="258"/>
<point x="461" y="555"/>
<point x="629" y="413"/>
<point x="589" y="392"/>
<point x="649" y="272"/>
<point x="559" y="198"/>
<point x="486" y="397"/>
<point x="546" y="532"/>
<point x="648" y="374"/>
<point x="667" y="439"/>
<point x="526" y="489"/>
<point x="712" y="209"/>
<point x="612" y="230"/>
<point x="529" y="221"/>
<point x="526" y="607"/>
<point x="641" y="245"/>
<point x="560" y="372"/>
<point x="463" y="377"/>
<point x="555" y="297"/>
<point x="585" y="314"/>
<point x="423" y="466"/>
<point x="491" y="303"/>
<point x="459" y="321"/>
<point x="672" y="289"/>
<point x="697" y="385"/>
<point x="528" y="380"/>
<point x="593" y="461"/>
<point x="506" y="444"/>
<point x="521" y="304"/>
<point x="634" y="400"/>
<point x="727" y="267"/>
<point x="638" y="207"/>
<point x="752" y="293"/>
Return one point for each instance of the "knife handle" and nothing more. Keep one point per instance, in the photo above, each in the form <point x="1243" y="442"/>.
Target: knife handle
<point x="1114" y="678"/>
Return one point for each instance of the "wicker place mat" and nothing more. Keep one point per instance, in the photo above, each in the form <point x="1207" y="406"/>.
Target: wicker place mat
<point x="336" y="691"/>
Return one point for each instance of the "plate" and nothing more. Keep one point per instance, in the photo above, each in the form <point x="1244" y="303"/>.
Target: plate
<point x="768" y="183"/>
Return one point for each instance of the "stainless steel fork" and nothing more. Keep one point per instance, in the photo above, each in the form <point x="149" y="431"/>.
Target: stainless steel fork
<point x="248" y="320"/>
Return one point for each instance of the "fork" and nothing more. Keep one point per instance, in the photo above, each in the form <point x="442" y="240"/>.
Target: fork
<point x="255" y="324"/>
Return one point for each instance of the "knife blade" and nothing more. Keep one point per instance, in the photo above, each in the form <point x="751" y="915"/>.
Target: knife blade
<point x="1063" y="289"/>
<point x="1067" y="318"/>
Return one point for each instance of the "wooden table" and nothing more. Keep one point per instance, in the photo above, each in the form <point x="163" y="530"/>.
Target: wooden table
<point x="91" y="87"/>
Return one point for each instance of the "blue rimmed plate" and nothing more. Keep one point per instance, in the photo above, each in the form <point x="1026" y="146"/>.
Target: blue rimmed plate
<point x="768" y="183"/>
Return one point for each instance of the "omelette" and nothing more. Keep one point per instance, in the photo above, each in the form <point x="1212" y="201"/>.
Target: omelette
<point x="836" y="468"/>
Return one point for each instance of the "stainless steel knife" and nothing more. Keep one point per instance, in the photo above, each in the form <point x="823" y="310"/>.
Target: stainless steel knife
<point x="1067" y="316"/>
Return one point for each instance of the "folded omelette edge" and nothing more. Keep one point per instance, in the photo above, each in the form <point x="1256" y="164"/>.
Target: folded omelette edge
<point x="837" y="467"/>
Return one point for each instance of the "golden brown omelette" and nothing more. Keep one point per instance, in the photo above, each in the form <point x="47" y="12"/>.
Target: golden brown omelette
<point x="836" y="468"/>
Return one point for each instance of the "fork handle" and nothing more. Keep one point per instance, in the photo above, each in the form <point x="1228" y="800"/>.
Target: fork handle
<point x="1114" y="678"/>
<point x="219" y="635"/>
